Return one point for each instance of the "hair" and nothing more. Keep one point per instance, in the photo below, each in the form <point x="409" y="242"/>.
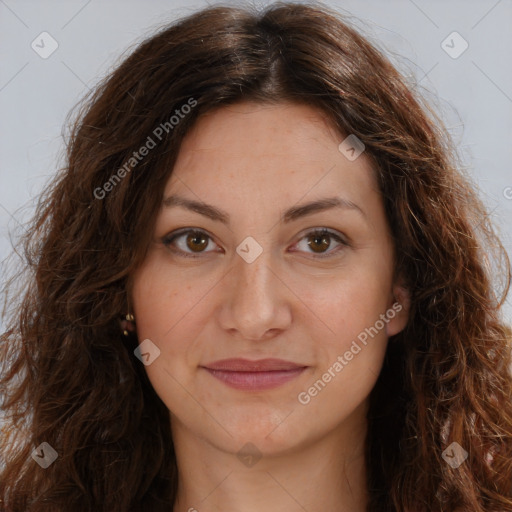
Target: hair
<point x="70" y="377"/>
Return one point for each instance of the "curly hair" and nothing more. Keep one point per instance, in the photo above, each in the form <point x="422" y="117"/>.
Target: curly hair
<point x="69" y="376"/>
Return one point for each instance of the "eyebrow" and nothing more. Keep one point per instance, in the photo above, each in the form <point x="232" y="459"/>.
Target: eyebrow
<point x="293" y="213"/>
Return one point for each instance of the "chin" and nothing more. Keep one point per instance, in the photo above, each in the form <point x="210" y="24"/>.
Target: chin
<point x="270" y="435"/>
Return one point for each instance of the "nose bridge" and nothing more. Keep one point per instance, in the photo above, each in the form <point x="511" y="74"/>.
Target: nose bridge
<point x="253" y="277"/>
<point x="255" y="302"/>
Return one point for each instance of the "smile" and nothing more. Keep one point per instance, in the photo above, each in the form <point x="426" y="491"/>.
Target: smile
<point x="255" y="381"/>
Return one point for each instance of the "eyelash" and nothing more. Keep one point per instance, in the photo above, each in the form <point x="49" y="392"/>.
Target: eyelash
<point x="171" y="237"/>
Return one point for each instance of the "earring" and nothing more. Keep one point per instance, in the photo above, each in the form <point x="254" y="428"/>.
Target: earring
<point x="128" y="324"/>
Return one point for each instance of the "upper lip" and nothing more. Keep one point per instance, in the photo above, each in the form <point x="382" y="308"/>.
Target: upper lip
<point x="246" y="365"/>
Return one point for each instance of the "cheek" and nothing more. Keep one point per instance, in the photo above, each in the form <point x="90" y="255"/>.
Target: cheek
<point x="164" y="299"/>
<point x="345" y="304"/>
<point x="350" y="337"/>
<point x="350" y="356"/>
<point x="171" y="309"/>
<point x="163" y="304"/>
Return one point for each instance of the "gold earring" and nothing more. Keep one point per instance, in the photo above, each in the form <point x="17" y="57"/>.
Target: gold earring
<point x="127" y="324"/>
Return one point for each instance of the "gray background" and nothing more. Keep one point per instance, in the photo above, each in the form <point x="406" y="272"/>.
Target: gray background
<point x="473" y="93"/>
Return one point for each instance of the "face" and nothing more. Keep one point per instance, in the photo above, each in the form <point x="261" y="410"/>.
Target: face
<point x="254" y="275"/>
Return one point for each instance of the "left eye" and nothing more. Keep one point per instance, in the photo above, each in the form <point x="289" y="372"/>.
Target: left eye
<point x="319" y="240"/>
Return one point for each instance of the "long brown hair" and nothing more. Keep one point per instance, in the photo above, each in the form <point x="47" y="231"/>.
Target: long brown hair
<point x="70" y="377"/>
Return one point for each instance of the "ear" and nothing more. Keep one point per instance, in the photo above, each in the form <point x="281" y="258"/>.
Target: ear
<point x="398" y="309"/>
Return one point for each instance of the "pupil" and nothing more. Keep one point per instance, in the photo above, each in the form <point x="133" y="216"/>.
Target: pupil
<point x="194" y="240"/>
<point x="323" y="239"/>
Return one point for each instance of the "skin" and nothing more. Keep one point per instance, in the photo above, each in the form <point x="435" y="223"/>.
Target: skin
<point x="254" y="162"/>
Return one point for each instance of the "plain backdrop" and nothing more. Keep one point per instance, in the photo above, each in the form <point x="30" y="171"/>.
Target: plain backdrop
<point x="467" y="77"/>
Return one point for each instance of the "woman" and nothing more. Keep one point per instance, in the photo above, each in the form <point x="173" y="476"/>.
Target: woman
<point x="260" y="283"/>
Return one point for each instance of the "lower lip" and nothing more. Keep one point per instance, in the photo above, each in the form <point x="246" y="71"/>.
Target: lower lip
<point x="255" y="381"/>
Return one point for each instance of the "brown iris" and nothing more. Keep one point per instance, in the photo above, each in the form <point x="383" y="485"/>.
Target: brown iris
<point x="197" y="241"/>
<point x="319" y="238"/>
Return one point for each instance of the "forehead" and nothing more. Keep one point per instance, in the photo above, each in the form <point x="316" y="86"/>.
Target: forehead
<point x="285" y="149"/>
<point x="261" y="130"/>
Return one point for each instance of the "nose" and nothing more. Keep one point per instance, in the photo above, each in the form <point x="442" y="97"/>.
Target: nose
<point x="256" y="304"/>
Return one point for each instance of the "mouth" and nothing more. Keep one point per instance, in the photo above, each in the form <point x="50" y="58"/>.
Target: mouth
<point x="254" y="375"/>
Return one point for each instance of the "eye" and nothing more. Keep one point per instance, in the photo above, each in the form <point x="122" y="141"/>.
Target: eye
<point x="319" y="240"/>
<point x="196" y="241"/>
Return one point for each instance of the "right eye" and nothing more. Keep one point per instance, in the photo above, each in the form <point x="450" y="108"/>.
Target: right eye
<point x="196" y="241"/>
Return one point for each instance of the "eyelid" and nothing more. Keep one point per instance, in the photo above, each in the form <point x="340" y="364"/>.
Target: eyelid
<point x="336" y="235"/>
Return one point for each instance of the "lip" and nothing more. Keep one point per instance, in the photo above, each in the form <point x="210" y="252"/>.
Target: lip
<point x="246" y="365"/>
<point x="254" y="375"/>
